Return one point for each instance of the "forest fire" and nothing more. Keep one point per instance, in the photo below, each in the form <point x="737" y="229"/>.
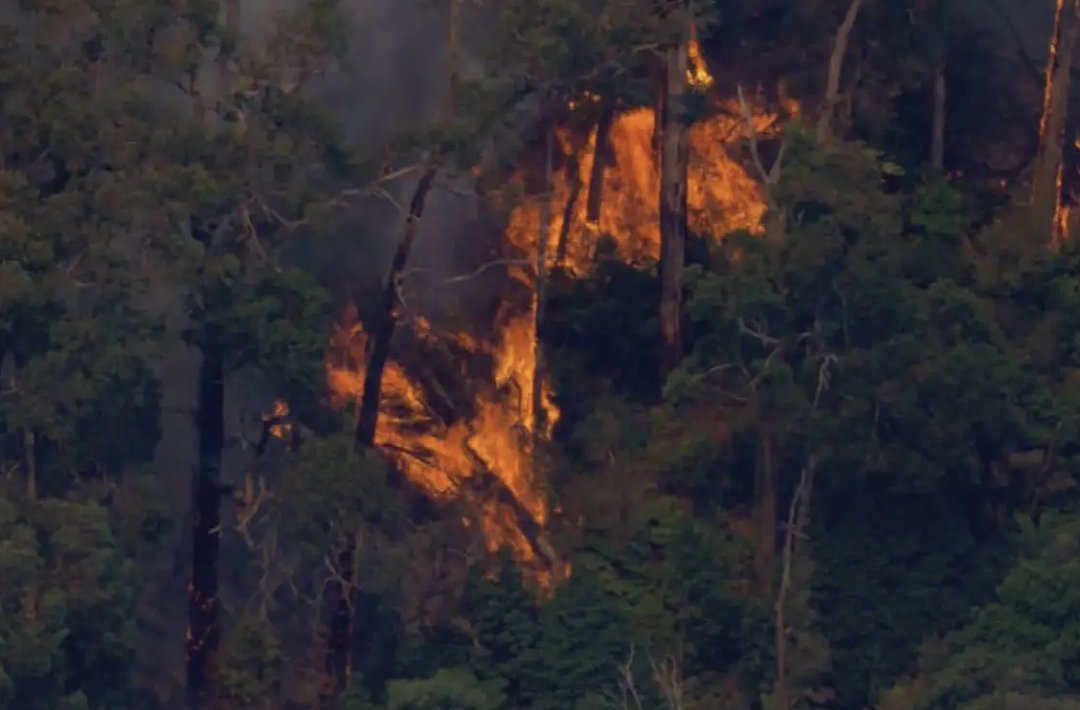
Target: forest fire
<point x="498" y="438"/>
<point x="723" y="197"/>
<point x="446" y="459"/>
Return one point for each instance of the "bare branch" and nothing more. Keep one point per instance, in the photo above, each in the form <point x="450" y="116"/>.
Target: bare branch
<point x="666" y="673"/>
<point x="668" y="677"/>
<point x="768" y="177"/>
<point x="626" y="696"/>
<point x="471" y="275"/>
<point x="757" y="335"/>
<point x="824" y="377"/>
<point x="377" y="188"/>
<point x="836" y="64"/>
<point x="249" y="501"/>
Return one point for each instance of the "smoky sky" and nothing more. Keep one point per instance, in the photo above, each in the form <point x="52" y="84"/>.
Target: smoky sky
<point x="1032" y="19"/>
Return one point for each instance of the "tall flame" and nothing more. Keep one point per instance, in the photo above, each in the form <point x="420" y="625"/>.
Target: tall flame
<point x="447" y="458"/>
<point x="498" y="435"/>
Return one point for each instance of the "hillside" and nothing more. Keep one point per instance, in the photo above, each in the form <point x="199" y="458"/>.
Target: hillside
<point x="626" y="354"/>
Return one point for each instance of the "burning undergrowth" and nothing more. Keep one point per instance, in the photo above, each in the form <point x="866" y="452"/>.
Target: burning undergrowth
<point x="456" y="419"/>
<point x="458" y="414"/>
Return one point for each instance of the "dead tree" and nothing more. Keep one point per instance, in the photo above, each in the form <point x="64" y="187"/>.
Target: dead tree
<point x="342" y="597"/>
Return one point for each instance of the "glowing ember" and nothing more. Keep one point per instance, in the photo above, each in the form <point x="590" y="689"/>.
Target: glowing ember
<point x="279" y="428"/>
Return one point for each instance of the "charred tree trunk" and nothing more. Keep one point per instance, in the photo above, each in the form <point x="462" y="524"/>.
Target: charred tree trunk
<point x="673" y="176"/>
<point x="1046" y="180"/>
<point x="341" y="597"/>
<point x="203" y="632"/>
<point x="937" y="130"/>
<point x="537" y="403"/>
<point x="387" y="317"/>
<point x="573" y="168"/>
<point x="601" y="158"/>
<point x="836" y="65"/>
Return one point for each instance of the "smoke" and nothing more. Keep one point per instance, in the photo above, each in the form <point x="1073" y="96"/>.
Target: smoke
<point x="1031" y="22"/>
<point x="393" y="81"/>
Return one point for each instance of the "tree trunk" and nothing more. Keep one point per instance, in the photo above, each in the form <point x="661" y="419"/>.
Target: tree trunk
<point x="836" y="65"/>
<point x="937" y="131"/>
<point x="573" y="174"/>
<point x="203" y="632"/>
<point x="386" y="319"/>
<point x="798" y="513"/>
<point x="342" y="597"/>
<point x="537" y="403"/>
<point x="766" y="514"/>
<point x="673" y="176"/>
<point x="1046" y="179"/>
<point x="601" y="157"/>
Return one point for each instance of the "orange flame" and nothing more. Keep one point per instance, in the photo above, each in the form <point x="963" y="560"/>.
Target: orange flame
<point x="722" y="195"/>
<point x="447" y="459"/>
<point x="279" y="429"/>
<point x="698" y="73"/>
<point x="497" y="438"/>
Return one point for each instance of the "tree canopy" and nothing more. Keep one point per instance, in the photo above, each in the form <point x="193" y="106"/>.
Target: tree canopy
<point x="752" y="384"/>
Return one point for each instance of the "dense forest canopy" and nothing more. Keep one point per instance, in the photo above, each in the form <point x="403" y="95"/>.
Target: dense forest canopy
<point x="686" y="354"/>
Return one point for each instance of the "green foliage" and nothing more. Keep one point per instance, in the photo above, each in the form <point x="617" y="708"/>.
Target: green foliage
<point x="449" y="689"/>
<point x="247" y="670"/>
<point x="67" y="627"/>
<point x="75" y="349"/>
<point x="596" y="45"/>
<point x="1020" y="650"/>
<point x="925" y="361"/>
<point x="673" y="581"/>
<point x="277" y="324"/>
<point x="551" y="656"/>
<point x="917" y="367"/>
<point x="894" y="567"/>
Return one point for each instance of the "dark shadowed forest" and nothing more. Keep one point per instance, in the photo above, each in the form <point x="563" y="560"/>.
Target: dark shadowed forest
<point x="540" y="355"/>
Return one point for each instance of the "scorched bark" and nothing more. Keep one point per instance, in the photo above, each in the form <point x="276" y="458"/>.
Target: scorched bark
<point x="674" y="154"/>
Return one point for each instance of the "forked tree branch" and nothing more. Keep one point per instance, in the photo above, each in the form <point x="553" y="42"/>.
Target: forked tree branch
<point x="836" y="65"/>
